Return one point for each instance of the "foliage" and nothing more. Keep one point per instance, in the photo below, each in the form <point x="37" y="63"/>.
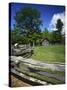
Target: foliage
<point x="59" y="25"/>
<point x="57" y="33"/>
<point x="17" y="38"/>
<point x="28" y="21"/>
<point x="45" y="33"/>
<point x="27" y="29"/>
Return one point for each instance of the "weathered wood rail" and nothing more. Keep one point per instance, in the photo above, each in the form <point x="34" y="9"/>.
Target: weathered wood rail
<point x="24" y="69"/>
<point x="21" y="50"/>
<point x="28" y="80"/>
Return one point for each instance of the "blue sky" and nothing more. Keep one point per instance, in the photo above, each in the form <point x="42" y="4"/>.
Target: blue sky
<point x="47" y="13"/>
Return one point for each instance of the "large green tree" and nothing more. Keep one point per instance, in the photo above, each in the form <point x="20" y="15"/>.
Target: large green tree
<point x="28" y="21"/>
<point x="59" y="26"/>
<point x="56" y="36"/>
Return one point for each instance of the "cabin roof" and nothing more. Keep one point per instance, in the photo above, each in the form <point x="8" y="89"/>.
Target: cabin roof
<point x="45" y="39"/>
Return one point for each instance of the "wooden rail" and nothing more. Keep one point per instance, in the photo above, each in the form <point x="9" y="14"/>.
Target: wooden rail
<point x="21" y="50"/>
<point x="26" y="80"/>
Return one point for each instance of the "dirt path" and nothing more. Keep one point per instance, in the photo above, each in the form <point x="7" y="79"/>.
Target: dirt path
<point x="15" y="82"/>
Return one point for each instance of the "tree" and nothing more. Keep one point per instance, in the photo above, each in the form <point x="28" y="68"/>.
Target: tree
<point x="51" y="37"/>
<point x="16" y="37"/>
<point x="46" y="33"/>
<point x="34" y="38"/>
<point x="28" y="21"/>
<point x="59" y="26"/>
<point x="56" y="36"/>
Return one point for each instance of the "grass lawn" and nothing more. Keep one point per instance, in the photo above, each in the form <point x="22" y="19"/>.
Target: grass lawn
<point x="50" y="54"/>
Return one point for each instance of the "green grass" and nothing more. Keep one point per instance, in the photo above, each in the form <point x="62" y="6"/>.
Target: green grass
<point x="50" y="54"/>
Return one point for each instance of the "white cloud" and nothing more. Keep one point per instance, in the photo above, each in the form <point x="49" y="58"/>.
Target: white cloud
<point x="54" y="19"/>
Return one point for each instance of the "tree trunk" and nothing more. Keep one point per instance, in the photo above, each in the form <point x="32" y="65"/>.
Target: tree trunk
<point x="33" y="44"/>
